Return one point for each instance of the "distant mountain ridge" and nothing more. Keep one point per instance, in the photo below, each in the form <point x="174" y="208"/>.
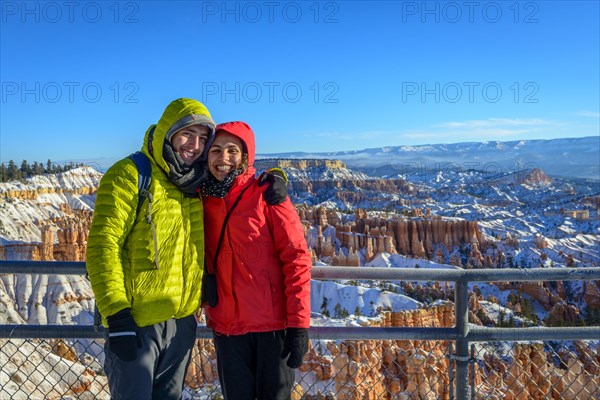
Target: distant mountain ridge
<point x="569" y="157"/>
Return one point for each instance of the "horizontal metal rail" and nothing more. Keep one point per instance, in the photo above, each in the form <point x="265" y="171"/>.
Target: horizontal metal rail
<point x="361" y="273"/>
<point x="16" y="331"/>
<point x="484" y="334"/>
<point x="476" y="333"/>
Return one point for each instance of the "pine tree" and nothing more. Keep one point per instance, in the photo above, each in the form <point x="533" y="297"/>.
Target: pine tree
<point x="337" y="311"/>
<point x="3" y="173"/>
<point x="325" y="307"/>
<point x="13" y="172"/>
<point x="38" y="168"/>
<point x="25" y="169"/>
<point x="501" y="316"/>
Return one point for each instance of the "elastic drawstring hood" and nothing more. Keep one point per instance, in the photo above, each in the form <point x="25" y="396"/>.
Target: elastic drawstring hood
<point x="215" y="188"/>
<point x="242" y="131"/>
<point x="179" y="114"/>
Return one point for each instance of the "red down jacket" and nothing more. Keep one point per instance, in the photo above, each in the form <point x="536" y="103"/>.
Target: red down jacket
<point x="263" y="269"/>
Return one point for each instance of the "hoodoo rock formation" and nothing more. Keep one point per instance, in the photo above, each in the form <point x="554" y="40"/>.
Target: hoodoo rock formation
<point x="331" y="179"/>
<point x="418" y="238"/>
<point x="71" y="244"/>
<point x="33" y="194"/>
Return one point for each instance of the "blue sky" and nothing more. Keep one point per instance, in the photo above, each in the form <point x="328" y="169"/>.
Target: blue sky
<point x="83" y="80"/>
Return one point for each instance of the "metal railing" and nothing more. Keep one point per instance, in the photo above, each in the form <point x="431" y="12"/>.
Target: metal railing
<point x="462" y="334"/>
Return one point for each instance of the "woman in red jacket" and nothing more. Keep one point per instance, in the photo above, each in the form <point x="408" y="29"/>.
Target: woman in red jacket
<point x="260" y="322"/>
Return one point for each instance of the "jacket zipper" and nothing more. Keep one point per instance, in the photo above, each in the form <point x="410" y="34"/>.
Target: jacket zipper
<point x="154" y="236"/>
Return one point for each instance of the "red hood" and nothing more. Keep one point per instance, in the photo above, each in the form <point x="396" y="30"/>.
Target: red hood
<point x="244" y="133"/>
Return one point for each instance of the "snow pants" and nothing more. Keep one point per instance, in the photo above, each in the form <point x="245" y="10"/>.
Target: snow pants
<point x="250" y="366"/>
<point x="159" y="370"/>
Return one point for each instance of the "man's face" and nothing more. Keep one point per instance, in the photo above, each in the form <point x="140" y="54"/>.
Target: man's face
<point x="225" y="155"/>
<point x="189" y="142"/>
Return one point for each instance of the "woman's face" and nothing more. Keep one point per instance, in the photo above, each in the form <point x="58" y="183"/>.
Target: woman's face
<point x="225" y="155"/>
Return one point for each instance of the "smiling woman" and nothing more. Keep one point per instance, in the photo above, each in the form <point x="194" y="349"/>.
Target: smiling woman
<point x="226" y="155"/>
<point x="260" y="263"/>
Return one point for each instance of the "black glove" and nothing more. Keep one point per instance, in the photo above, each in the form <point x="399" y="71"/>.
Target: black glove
<point x="296" y="345"/>
<point x="277" y="192"/>
<point x="122" y="335"/>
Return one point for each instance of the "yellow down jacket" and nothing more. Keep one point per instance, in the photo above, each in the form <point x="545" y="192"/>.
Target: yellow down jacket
<point x="155" y="268"/>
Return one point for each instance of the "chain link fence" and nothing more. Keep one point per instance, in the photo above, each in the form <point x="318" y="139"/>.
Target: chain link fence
<point x="396" y="360"/>
<point x="568" y="370"/>
<point x="52" y="369"/>
<point x="333" y="369"/>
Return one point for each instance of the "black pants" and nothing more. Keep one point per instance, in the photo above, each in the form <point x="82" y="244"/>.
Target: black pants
<point x="159" y="370"/>
<point x="250" y="366"/>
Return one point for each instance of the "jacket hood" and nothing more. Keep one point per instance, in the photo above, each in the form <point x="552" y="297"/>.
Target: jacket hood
<point x="179" y="114"/>
<point x="242" y="131"/>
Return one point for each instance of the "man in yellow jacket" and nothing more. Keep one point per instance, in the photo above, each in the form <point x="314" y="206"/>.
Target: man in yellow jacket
<point x="146" y="268"/>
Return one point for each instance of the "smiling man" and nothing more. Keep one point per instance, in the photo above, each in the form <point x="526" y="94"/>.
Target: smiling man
<point x="189" y="142"/>
<point x="146" y="268"/>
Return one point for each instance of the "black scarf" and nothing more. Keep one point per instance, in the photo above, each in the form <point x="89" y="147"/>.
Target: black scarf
<point x="215" y="188"/>
<point x="186" y="177"/>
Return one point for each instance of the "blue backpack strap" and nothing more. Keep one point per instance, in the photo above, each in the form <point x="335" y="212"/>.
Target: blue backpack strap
<point x="144" y="177"/>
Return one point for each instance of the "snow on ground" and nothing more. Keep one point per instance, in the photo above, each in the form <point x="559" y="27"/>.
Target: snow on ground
<point x="337" y="298"/>
<point x="20" y="219"/>
<point x="386" y="260"/>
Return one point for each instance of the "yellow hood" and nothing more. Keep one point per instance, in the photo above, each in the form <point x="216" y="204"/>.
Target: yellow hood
<point x="179" y="114"/>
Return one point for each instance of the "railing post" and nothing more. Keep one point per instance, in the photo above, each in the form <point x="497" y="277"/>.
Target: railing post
<point x="461" y="357"/>
<point x="451" y="369"/>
